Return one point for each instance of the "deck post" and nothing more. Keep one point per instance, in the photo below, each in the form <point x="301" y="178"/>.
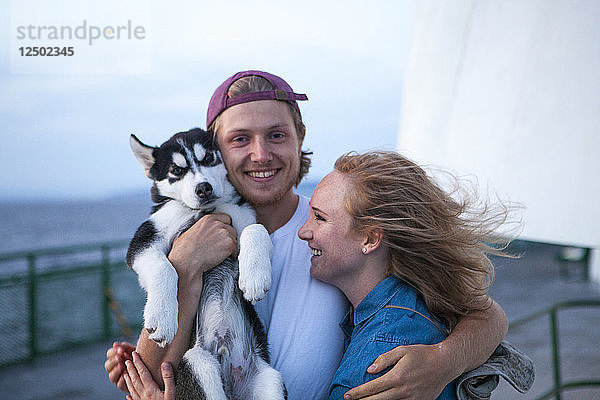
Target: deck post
<point x="33" y="350"/>
<point x="105" y="286"/>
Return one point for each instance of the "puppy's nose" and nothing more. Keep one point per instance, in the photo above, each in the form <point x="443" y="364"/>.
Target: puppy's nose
<point x="204" y="190"/>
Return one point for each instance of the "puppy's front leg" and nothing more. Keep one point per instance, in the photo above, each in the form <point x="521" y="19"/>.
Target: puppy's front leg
<point x="255" y="262"/>
<point x="255" y="251"/>
<point x="158" y="277"/>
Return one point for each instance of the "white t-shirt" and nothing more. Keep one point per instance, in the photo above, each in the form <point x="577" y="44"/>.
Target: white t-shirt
<point x="301" y="315"/>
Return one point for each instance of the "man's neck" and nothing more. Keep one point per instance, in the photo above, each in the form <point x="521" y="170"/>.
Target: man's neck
<point x="274" y="216"/>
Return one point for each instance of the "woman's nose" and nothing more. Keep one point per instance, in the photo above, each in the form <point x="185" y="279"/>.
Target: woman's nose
<point x="304" y="233"/>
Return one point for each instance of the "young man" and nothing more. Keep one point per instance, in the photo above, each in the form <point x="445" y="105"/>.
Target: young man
<point x="258" y="127"/>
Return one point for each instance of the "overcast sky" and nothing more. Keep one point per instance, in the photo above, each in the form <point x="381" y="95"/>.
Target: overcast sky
<point x="65" y="131"/>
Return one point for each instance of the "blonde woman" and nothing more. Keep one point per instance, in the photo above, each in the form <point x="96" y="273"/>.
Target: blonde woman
<point x="410" y="258"/>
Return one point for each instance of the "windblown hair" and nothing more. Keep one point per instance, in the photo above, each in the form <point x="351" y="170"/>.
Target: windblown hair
<point x="255" y="83"/>
<point x="437" y="243"/>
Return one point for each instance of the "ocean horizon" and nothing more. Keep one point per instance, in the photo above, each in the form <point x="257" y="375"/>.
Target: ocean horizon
<point x="34" y="223"/>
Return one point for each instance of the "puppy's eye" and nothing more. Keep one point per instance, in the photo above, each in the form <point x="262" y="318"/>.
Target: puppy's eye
<point x="177" y="170"/>
<point x="209" y="158"/>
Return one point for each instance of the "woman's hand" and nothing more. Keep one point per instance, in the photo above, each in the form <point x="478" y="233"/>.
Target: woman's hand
<point x="141" y="385"/>
<point x="115" y="363"/>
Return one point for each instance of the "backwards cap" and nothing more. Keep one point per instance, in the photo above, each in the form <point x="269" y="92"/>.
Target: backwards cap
<point x="281" y="91"/>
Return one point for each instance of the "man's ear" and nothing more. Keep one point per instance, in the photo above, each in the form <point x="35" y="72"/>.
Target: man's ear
<point x="373" y="240"/>
<point x="143" y="153"/>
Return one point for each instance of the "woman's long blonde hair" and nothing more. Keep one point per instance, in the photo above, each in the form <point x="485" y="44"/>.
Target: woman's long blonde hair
<point x="437" y="243"/>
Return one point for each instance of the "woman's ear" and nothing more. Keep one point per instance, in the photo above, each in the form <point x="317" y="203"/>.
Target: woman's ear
<point x="373" y="239"/>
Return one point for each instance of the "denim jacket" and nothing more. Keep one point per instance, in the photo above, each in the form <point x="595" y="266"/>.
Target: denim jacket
<point x="392" y="315"/>
<point x="380" y="323"/>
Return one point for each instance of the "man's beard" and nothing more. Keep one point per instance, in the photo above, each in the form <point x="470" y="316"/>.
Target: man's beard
<point x="274" y="199"/>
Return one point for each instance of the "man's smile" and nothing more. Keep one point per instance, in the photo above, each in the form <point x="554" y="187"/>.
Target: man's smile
<point x="262" y="175"/>
<point x="316" y="252"/>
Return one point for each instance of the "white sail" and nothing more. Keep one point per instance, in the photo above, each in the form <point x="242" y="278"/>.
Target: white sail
<point x="509" y="91"/>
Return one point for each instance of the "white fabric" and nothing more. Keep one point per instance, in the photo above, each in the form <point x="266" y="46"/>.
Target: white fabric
<point x="301" y="315"/>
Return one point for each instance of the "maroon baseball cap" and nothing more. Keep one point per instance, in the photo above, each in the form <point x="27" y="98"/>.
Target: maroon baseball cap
<point x="281" y="91"/>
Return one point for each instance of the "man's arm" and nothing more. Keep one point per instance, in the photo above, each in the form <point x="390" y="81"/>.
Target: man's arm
<point x="422" y="371"/>
<point x="188" y="295"/>
<point x="206" y="244"/>
<point x="153" y="355"/>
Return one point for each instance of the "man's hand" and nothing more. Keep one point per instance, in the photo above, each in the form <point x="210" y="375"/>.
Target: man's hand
<point x="115" y="363"/>
<point x="203" y="246"/>
<point x="422" y="371"/>
<point x="419" y="372"/>
<point x="142" y="386"/>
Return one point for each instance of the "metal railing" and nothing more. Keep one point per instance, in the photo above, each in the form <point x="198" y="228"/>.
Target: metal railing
<point x="116" y="304"/>
<point x="558" y="385"/>
<point x="60" y="297"/>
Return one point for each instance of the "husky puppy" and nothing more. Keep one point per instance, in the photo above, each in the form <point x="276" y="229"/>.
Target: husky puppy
<point x="230" y="358"/>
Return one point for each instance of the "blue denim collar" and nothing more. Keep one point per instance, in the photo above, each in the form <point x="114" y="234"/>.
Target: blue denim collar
<point x="376" y="299"/>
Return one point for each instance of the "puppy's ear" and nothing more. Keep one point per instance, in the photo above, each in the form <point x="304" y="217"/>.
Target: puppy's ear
<point x="143" y="153"/>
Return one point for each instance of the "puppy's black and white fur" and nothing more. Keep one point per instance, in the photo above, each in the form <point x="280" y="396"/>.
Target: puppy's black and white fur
<point x="229" y="359"/>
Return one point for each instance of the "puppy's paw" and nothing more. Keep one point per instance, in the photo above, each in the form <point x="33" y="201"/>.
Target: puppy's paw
<point x="254" y="262"/>
<point x="255" y="278"/>
<point x="160" y="320"/>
